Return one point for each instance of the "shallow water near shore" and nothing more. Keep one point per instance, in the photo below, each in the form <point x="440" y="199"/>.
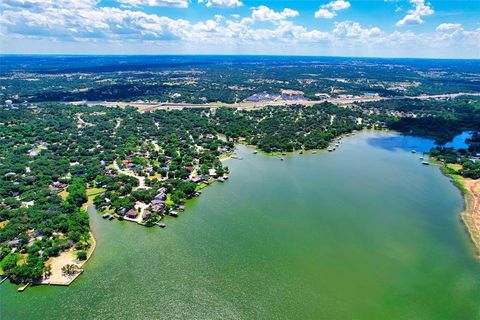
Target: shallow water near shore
<point x="365" y="232"/>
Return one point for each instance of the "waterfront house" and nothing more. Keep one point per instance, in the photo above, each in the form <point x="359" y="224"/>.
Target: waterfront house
<point x="146" y="214"/>
<point x="157" y="205"/>
<point x="131" y="214"/>
<point x="196" y="179"/>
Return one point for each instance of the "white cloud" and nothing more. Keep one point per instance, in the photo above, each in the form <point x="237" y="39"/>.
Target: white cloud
<point x="414" y="16"/>
<point x="222" y="3"/>
<point x="329" y="10"/>
<point x="36" y="5"/>
<point x="324" y="13"/>
<point x="154" y="3"/>
<point x="454" y="34"/>
<point x="263" y="13"/>
<point x="74" y="21"/>
<point x="449" y="27"/>
<point x="338" y="5"/>
<point x="78" y="23"/>
<point x="349" y="29"/>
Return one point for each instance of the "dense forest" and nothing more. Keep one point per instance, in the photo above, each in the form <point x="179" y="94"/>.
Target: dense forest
<point x="288" y="128"/>
<point x="440" y="120"/>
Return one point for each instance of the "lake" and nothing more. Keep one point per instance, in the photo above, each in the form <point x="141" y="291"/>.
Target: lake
<point x="365" y="232"/>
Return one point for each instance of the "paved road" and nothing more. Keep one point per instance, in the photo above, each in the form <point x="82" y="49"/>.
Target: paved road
<point x="144" y="106"/>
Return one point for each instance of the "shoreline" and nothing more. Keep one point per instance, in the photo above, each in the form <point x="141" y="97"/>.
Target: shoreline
<point x="471" y="215"/>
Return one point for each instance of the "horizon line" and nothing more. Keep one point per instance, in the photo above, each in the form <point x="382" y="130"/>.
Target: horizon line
<point x="223" y="55"/>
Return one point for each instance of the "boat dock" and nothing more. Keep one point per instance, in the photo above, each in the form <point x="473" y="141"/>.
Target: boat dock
<point x="23" y="288"/>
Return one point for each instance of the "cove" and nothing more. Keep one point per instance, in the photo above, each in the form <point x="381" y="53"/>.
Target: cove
<point x="365" y="232"/>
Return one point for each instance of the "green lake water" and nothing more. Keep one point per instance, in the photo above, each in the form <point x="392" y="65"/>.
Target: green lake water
<point x="365" y="232"/>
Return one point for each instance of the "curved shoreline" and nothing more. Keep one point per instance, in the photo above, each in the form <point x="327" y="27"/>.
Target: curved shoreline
<point x="91" y="249"/>
<point x="470" y="190"/>
<point x="471" y="215"/>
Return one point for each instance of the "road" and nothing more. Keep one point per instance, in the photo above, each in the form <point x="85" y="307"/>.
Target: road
<point x="150" y="106"/>
<point x="141" y="180"/>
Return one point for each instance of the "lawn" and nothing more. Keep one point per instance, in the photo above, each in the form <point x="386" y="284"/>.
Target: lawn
<point x="454" y="166"/>
<point x="169" y="201"/>
<point x="91" y="193"/>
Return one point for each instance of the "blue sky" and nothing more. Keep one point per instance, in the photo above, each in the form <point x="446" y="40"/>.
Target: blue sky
<point x="381" y="28"/>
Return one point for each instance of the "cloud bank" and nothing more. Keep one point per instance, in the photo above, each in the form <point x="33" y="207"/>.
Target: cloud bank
<point x="70" y="21"/>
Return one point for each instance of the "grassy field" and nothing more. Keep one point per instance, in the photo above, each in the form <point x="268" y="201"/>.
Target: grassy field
<point x="91" y="193"/>
<point x="454" y="166"/>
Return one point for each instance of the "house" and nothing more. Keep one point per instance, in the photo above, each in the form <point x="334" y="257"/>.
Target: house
<point x="58" y="185"/>
<point x="157" y="205"/>
<point x="196" y="179"/>
<point x="146" y="214"/>
<point x="15" y="242"/>
<point x="161" y="194"/>
<point x="131" y="213"/>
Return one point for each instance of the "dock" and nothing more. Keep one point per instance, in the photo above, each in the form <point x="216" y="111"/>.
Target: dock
<point x="22" y="288"/>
